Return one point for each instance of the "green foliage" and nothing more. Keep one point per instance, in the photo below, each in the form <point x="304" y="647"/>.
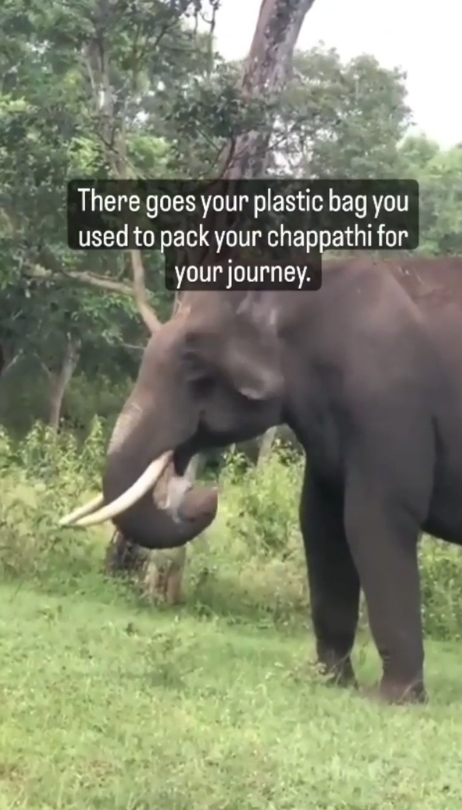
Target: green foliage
<point x="52" y="129"/>
<point x="441" y="583"/>
<point x="43" y="456"/>
<point x="109" y="707"/>
<point x="335" y="118"/>
<point x="250" y="564"/>
<point x="41" y="475"/>
<point x="24" y="397"/>
<point x="439" y="173"/>
<point x="267" y="531"/>
<point x="441" y="203"/>
<point x="84" y="399"/>
<point x="341" y="119"/>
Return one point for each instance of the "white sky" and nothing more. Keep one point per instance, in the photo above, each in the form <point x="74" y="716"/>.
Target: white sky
<point x="424" y="39"/>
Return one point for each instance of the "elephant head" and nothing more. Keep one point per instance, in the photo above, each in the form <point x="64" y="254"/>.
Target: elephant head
<point x="209" y="377"/>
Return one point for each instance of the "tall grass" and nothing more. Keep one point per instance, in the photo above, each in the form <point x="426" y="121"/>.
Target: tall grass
<point x="249" y="565"/>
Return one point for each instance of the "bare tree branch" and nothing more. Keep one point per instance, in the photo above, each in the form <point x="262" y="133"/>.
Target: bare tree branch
<point x="97" y="61"/>
<point x="43" y="366"/>
<point x="84" y="277"/>
<point x="139" y="287"/>
<point x="11" y="364"/>
<point x="60" y="381"/>
<point x="101" y="282"/>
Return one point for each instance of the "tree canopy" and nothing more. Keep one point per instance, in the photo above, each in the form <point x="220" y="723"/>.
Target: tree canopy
<point x="77" y="76"/>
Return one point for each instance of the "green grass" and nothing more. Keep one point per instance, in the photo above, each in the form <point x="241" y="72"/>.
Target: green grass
<point x="107" y="703"/>
<point x="108" y="706"/>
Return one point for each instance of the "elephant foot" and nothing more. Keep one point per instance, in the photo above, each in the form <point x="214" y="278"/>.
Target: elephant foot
<point x="337" y="671"/>
<point x="391" y="692"/>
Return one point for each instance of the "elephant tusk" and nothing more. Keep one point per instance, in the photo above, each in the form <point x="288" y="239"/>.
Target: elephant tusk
<point x="82" y="511"/>
<point x="145" y="482"/>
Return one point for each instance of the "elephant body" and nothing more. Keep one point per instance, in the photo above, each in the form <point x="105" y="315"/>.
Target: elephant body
<point x="367" y="373"/>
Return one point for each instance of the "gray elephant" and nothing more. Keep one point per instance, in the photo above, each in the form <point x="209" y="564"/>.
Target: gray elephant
<point x="178" y="513"/>
<point x="367" y="372"/>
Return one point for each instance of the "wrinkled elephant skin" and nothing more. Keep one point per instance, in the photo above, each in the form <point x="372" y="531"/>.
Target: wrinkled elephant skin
<point x="196" y="512"/>
<point x="367" y="372"/>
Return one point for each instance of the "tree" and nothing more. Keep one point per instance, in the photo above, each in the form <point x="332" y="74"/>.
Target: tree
<point x="439" y="173"/>
<point x="340" y="119"/>
<point x="100" y="88"/>
<point x="56" y="300"/>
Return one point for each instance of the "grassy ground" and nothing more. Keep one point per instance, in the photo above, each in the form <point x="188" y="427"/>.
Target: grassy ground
<point x="109" y="706"/>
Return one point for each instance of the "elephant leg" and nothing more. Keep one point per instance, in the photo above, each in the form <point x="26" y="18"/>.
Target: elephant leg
<point x="332" y="578"/>
<point x="383" y="533"/>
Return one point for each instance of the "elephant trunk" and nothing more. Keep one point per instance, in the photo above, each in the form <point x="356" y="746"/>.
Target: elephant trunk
<point x="148" y="502"/>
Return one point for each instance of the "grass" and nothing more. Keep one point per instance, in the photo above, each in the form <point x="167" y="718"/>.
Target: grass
<point x="106" y="705"/>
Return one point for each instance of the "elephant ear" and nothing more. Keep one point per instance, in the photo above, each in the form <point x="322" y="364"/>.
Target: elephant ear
<point x="247" y="356"/>
<point x="253" y="370"/>
<point x="253" y="361"/>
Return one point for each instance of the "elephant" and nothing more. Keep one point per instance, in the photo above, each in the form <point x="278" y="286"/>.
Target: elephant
<point x="180" y="512"/>
<point x="367" y="373"/>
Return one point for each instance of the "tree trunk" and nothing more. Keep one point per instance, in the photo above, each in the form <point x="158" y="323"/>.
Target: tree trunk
<point x="266" y="70"/>
<point x="60" y="381"/>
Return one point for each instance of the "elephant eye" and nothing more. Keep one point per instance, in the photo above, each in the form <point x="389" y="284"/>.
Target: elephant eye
<point x="199" y="372"/>
<point x="196" y="369"/>
<point x="204" y="385"/>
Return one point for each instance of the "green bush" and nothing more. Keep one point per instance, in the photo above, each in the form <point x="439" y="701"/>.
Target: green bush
<point x="25" y="395"/>
<point x="441" y="583"/>
<point x="84" y="399"/>
<point x="265" y="501"/>
<point x="42" y="478"/>
<point x="249" y="565"/>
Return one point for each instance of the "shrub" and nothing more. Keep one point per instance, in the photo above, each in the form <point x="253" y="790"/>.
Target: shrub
<point x="84" y="398"/>
<point x="249" y="565"/>
<point x="264" y="501"/>
<point x="441" y="583"/>
<point x="42" y="478"/>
